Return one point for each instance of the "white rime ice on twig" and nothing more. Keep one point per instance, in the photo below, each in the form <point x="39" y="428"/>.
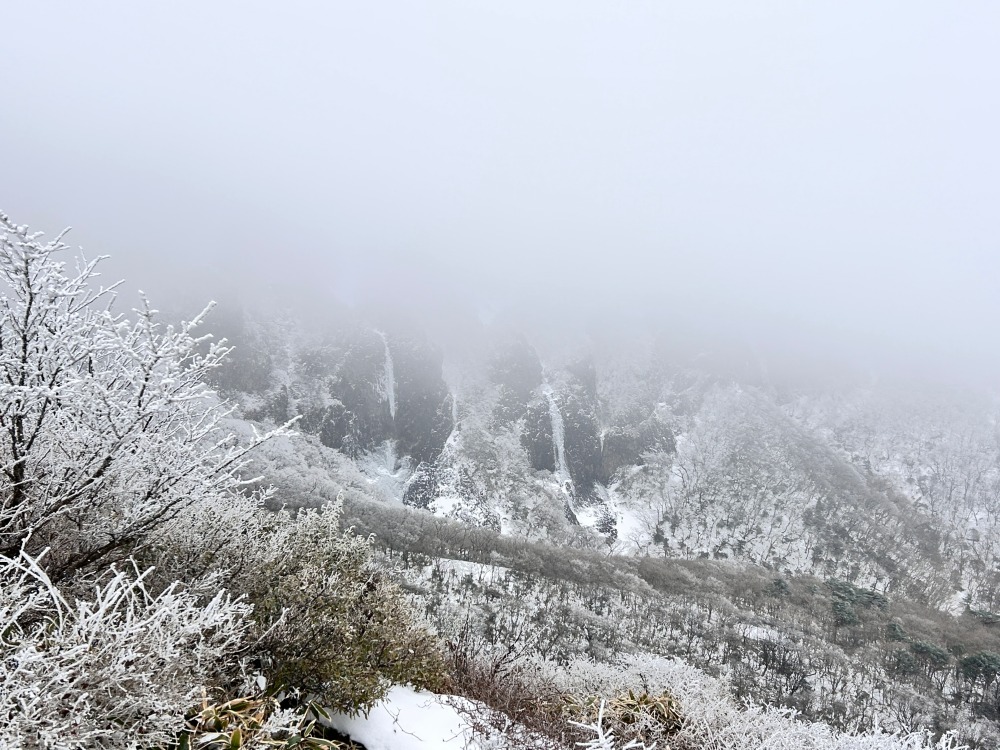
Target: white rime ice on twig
<point x="121" y="660"/>
<point x="606" y="740"/>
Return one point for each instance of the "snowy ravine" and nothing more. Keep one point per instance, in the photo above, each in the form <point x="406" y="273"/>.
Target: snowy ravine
<point x="389" y="376"/>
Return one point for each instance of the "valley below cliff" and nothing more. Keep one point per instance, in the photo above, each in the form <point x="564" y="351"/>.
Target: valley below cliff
<point x="828" y="548"/>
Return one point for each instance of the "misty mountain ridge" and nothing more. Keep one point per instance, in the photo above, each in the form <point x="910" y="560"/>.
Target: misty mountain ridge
<point x="595" y="375"/>
<point x="641" y="449"/>
<point x="825" y="543"/>
<point x="530" y="516"/>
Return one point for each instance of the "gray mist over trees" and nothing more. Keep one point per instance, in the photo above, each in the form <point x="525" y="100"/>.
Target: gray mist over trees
<point x="812" y="182"/>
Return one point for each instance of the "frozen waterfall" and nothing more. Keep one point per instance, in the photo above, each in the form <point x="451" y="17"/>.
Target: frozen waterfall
<point x="389" y="377"/>
<point x="558" y="437"/>
<point x="386" y="471"/>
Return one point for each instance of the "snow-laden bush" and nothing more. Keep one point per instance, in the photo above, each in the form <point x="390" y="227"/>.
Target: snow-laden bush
<point x="114" y="449"/>
<point x="327" y="622"/>
<point x="107" y="432"/>
<point x="712" y="721"/>
<point x="604" y="739"/>
<point x="638" y="714"/>
<point x="107" y="428"/>
<point x="667" y="704"/>
<point x="116" y="668"/>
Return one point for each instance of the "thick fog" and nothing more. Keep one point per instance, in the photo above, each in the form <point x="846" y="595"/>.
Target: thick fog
<point x="801" y="178"/>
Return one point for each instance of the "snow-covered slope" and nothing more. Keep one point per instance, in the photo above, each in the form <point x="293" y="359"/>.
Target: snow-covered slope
<point x="850" y="522"/>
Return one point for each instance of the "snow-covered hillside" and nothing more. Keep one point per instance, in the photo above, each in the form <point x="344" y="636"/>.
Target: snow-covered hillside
<point x="852" y="531"/>
<point x="642" y="454"/>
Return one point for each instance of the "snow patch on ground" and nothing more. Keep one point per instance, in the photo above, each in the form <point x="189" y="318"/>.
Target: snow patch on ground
<point x="448" y="506"/>
<point x="408" y="719"/>
<point x="956" y="604"/>
<point x="386" y="471"/>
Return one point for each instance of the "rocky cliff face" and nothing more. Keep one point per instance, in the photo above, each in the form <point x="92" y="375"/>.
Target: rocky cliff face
<point x="359" y="388"/>
<point x="355" y="388"/>
<point x="577" y="400"/>
<point x="645" y="456"/>
<point x="423" y="418"/>
<point x="627" y="443"/>
<point x="342" y="395"/>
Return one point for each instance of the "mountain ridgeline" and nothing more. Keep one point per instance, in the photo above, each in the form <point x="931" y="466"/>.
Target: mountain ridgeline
<point x="645" y="454"/>
<point x="829" y="548"/>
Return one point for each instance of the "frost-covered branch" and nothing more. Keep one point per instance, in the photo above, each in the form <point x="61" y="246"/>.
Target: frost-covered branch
<point x="107" y="428"/>
<point x="605" y="740"/>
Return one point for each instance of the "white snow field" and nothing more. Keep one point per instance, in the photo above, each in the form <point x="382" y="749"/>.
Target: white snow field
<point x="408" y="719"/>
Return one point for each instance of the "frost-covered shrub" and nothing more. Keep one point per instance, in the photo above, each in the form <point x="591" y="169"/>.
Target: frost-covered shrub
<point x="634" y="713"/>
<point x="117" y="667"/>
<point x="712" y="721"/>
<point x="500" y="677"/>
<point x="343" y="631"/>
<point x="107" y="428"/>
<point x="107" y="432"/>
<point x="328" y="622"/>
<point x="113" y="448"/>
<point x="604" y="738"/>
<point x="697" y="711"/>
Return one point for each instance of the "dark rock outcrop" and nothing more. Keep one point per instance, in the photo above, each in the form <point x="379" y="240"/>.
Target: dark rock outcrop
<point x="423" y="403"/>
<point x="343" y="395"/>
<point x="422" y="487"/>
<point x="517" y="370"/>
<point x="583" y="438"/>
<point x="537" y="436"/>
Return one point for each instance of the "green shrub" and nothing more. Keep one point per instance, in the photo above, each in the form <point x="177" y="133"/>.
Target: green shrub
<point x="844" y="614"/>
<point x="328" y="623"/>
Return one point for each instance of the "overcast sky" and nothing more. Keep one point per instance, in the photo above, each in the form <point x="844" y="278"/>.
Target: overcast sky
<point x="825" y="167"/>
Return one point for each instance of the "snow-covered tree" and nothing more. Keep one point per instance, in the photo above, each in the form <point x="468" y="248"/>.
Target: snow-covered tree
<point x="122" y="474"/>
<point x="107" y="428"/>
<point x="107" y="432"/>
